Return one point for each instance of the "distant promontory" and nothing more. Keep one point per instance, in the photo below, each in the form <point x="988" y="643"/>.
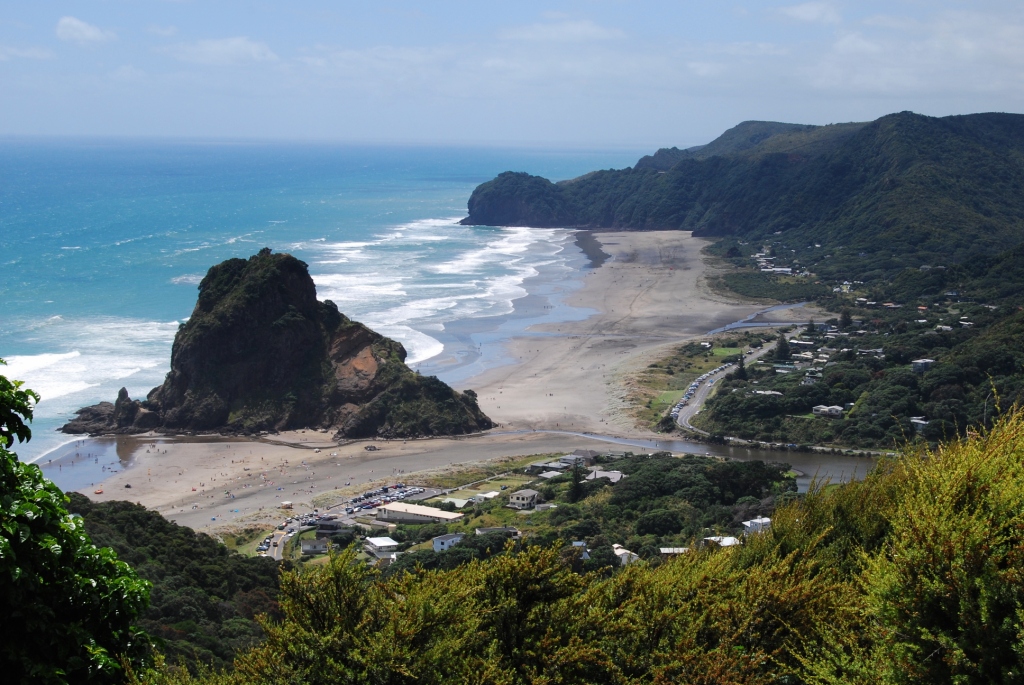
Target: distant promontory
<point x="261" y="353"/>
<point x="903" y="190"/>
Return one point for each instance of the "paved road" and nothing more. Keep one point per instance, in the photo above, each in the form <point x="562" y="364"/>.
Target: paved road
<point x="704" y="391"/>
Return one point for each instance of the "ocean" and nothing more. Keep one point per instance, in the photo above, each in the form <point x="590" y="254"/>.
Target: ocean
<point x="103" y="244"/>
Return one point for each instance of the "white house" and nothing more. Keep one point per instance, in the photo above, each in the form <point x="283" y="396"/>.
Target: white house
<point x="523" y="499"/>
<point x="317" y="546"/>
<point x="758" y="525"/>
<point x="613" y="476"/>
<point x="833" y="412"/>
<point x="624" y="555"/>
<point x="380" y="547"/>
<point x="722" y="541"/>
<point x="669" y="552"/>
<point x="444" y="542"/>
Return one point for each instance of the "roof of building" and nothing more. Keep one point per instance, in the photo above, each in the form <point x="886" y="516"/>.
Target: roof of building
<point x="449" y="536"/>
<point x="723" y="541"/>
<point x="613" y="476"/>
<point x="592" y="454"/>
<point x="420" y="510"/>
<point x="673" y="550"/>
<point x="760" y="519"/>
<point x="550" y="474"/>
<point x="382" y="542"/>
<point x="527" y="492"/>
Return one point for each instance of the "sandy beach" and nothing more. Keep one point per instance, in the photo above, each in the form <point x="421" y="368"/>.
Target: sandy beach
<point x="649" y="293"/>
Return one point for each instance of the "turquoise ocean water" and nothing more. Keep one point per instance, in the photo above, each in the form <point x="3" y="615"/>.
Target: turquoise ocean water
<point x="102" y="245"/>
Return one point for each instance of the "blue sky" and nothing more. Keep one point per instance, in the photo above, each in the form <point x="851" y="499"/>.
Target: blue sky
<point x="588" y="73"/>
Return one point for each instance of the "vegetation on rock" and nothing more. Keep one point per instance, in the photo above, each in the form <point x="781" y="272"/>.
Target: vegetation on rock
<point x="260" y="352"/>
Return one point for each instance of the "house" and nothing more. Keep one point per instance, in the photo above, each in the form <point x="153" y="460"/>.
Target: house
<point x="550" y="474"/>
<point x="444" y="542"/>
<point x="774" y="393"/>
<point x="509" y="531"/>
<point x="317" y="546"/>
<point x="484" y="496"/>
<point x="325" y="529"/>
<point x="570" y="460"/>
<point x="400" y="512"/>
<point x="582" y="546"/>
<point x="833" y="412"/>
<point x="722" y="541"/>
<point x="918" y="422"/>
<point x="921" y="365"/>
<point x="613" y="476"/>
<point x="758" y="525"/>
<point x="590" y="456"/>
<point x="624" y="555"/>
<point x="458" y="502"/>
<point x="380" y="548"/>
<point x="523" y="499"/>
<point x="669" y="552"/>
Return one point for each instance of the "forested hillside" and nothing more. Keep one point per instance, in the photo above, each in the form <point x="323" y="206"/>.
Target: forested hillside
<point x="203" y="598"/>
<point x="880" y="581"/>
<point x="904" y="190"/>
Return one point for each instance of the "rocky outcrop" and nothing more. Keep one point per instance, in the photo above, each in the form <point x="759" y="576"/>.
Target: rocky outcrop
<point x="260" y="352"/>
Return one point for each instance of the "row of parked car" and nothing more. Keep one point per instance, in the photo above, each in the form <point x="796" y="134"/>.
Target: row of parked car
<point x="384" y="495"/>
<point x="692" y="390"/>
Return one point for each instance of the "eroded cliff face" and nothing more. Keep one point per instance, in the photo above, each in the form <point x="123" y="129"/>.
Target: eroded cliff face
<point x="260" y="352"/>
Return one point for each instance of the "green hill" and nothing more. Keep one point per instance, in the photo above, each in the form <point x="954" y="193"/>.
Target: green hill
<point x="904" y="190"/>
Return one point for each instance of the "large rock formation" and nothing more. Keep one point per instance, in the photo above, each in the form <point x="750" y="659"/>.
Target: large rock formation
<point x="260" y="352"/>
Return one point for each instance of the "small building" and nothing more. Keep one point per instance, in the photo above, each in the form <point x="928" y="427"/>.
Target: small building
<point x="523" y="499"/>
<point x="669" y="552"/>
<point x="613" y="476"/>
<point x="400" y="512"/>
<point x="325" y="529"/>
<point x="484" y="496"/>
<point x="921" y="365"/>
<point x="918" y="422"/>
<point x="722" y="541"/>
<point x="833" y="412"/>
<point x="380" y="548"/>
<point x="457" y="501"/>
<point x="509" y="531"/>
<point x="624" y="556"/>
<point x="757" y="525"/>
<point x="286" y="505"/>
<point x="582" y="546"/>
<point x="445" y="542"/>
<point x="316" y="546"/>
<point x="550" y="474"/>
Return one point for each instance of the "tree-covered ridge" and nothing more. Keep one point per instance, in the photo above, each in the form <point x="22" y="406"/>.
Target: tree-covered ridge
<point x="902" y="190"/>
<point x="910" y="576"/>
<point x="203" y="597"/>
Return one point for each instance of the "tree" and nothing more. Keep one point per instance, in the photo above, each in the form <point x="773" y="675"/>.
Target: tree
<point x="811" y="327"/>
<point x="845" y="320"/>
<point x="576" y="492"/>
<point x="740" y="373"/>
<point x="69" y="607"/>
<point x="782" y="351"/>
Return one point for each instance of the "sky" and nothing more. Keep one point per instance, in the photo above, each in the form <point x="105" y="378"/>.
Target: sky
<point x="594" y="73"/>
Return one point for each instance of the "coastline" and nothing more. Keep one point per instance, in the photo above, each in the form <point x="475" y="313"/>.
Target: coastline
<point x="555" y="363"/>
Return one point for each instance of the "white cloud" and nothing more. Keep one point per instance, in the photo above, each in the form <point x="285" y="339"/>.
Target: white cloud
<point x="813" y="12"/>
<point x="75" y="30"/>
<point x="223" y="52"/>
<point x="7" y="53"/>
<point x="573" y="31"/>
<point x="165" y="31"/>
